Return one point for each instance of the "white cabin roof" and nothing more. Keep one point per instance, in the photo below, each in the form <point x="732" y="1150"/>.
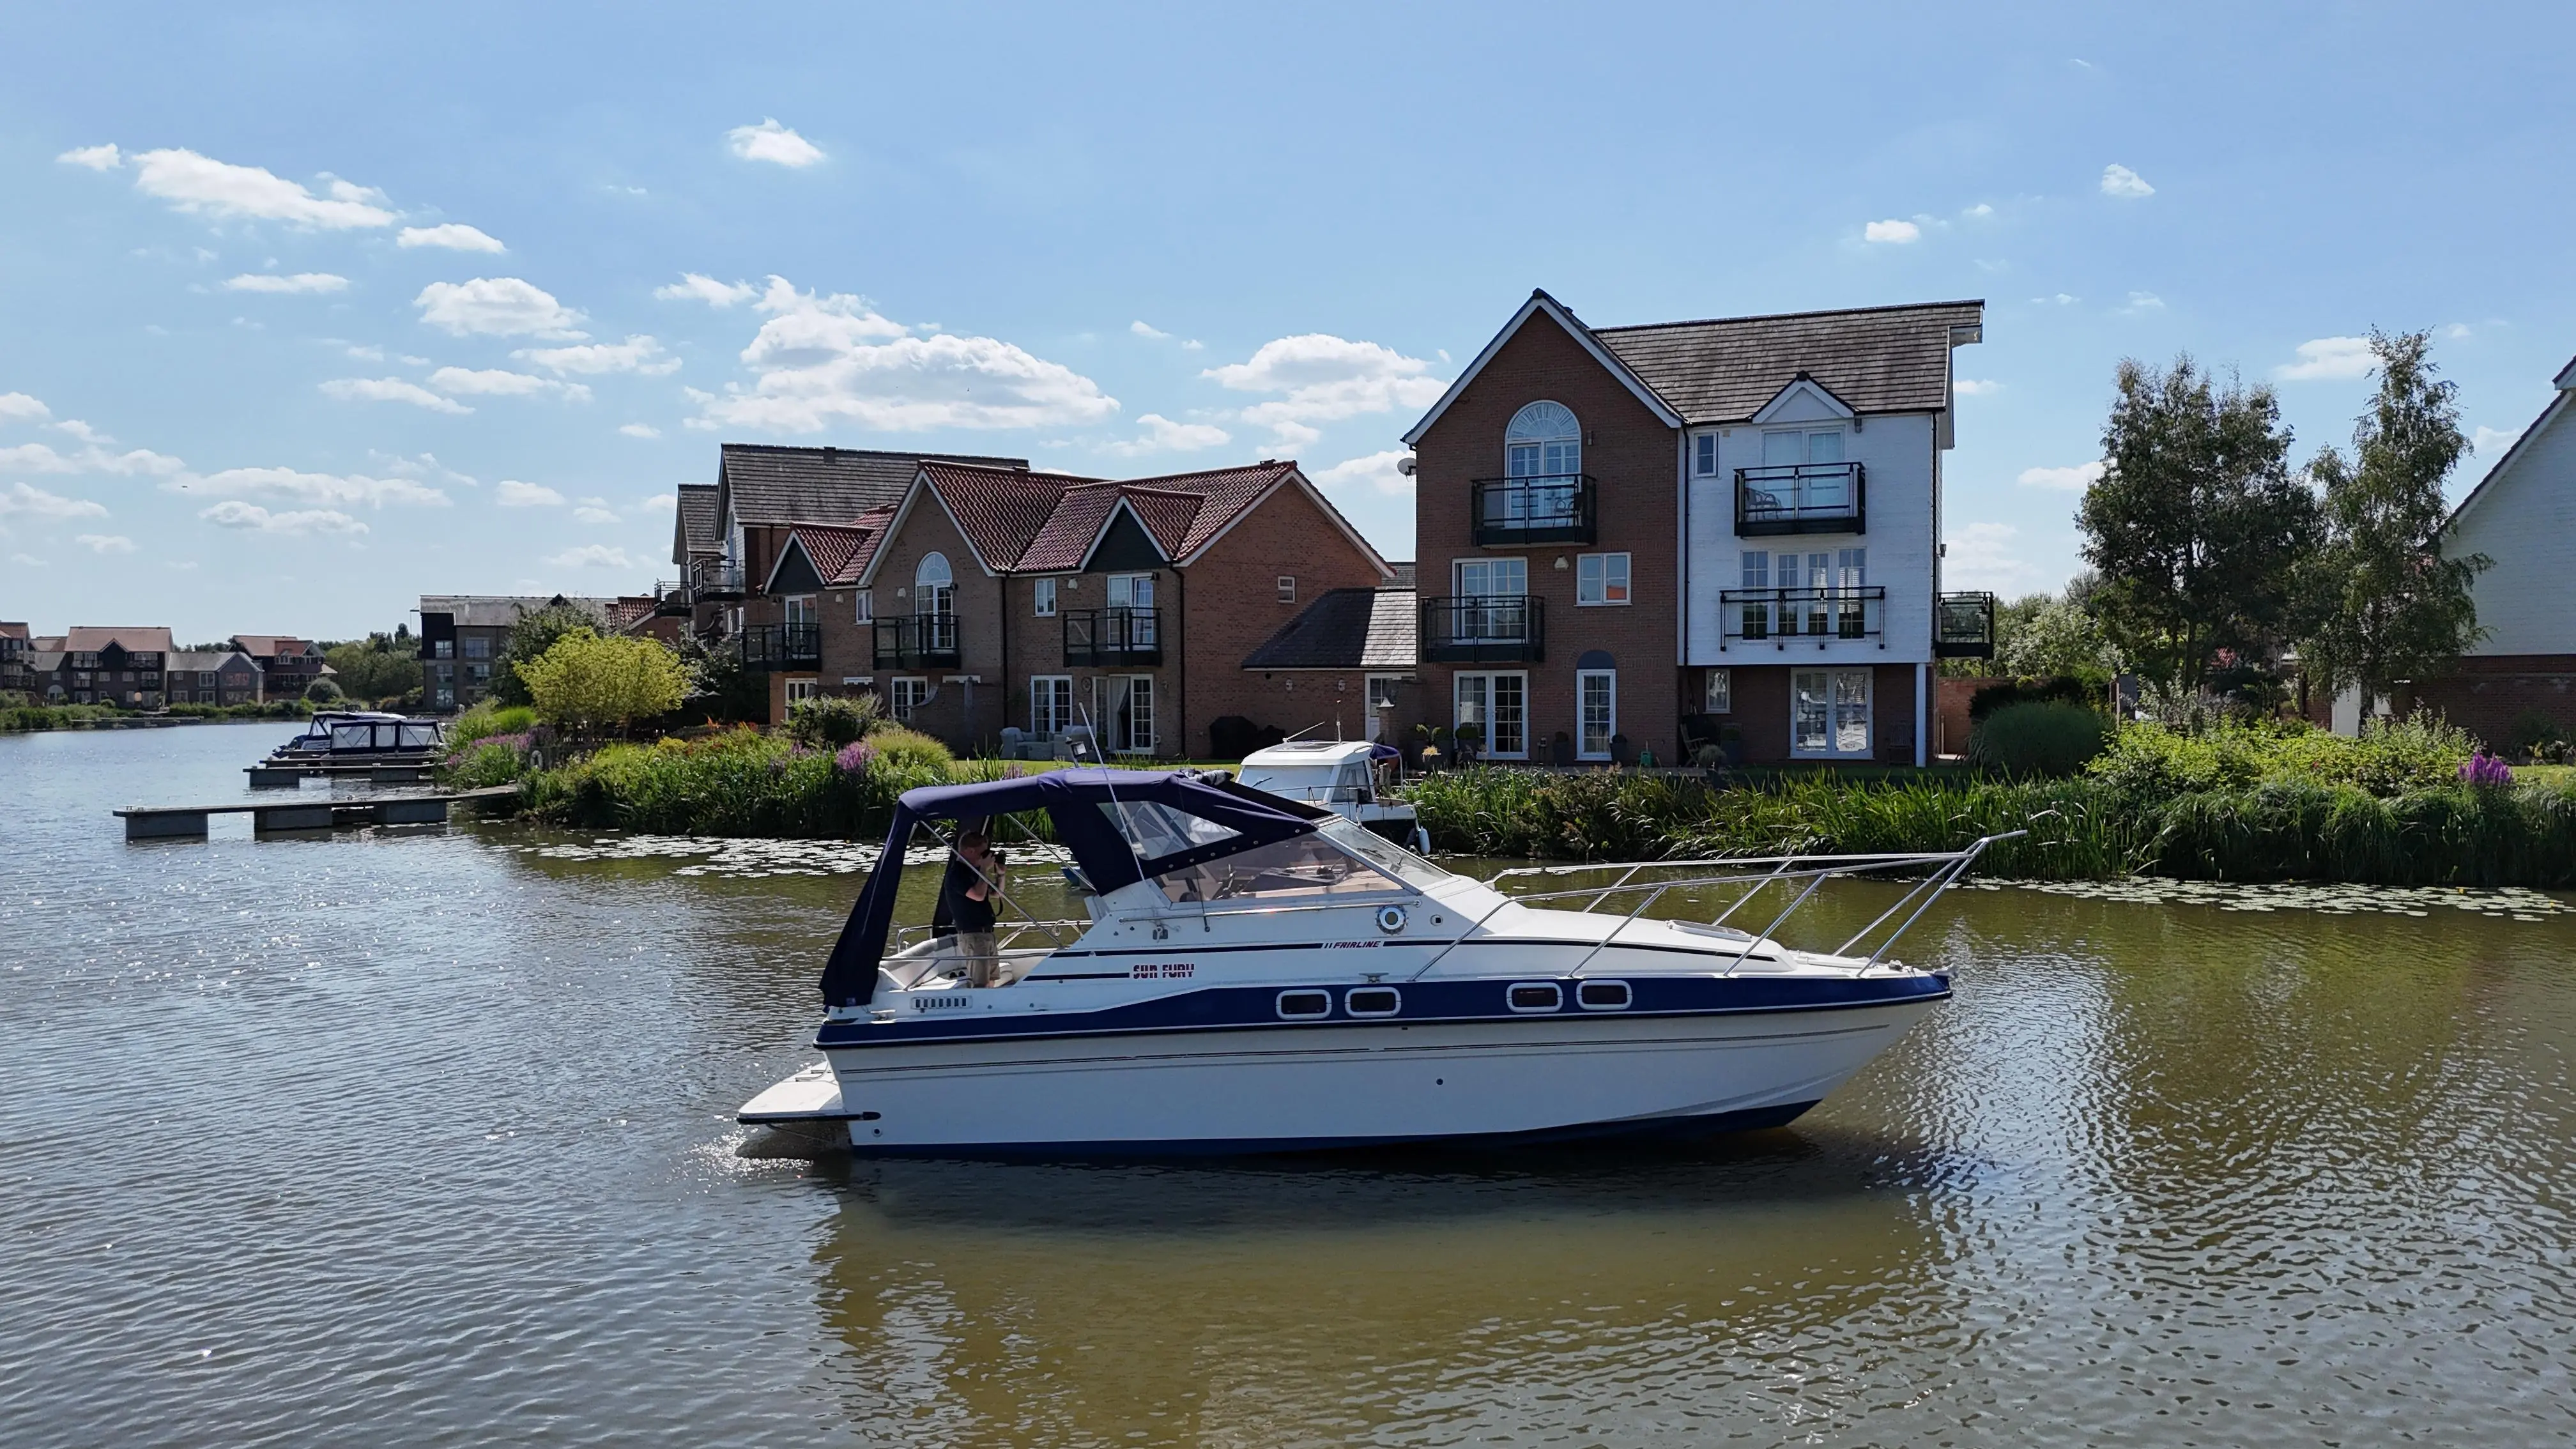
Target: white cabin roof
<point x="1306" y="753"/>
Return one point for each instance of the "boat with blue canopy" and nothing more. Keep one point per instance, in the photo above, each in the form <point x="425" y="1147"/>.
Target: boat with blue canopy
<point x="1257" y="974"/>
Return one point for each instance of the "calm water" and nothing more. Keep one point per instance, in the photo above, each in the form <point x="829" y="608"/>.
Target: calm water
<point x="421" y="1137"/>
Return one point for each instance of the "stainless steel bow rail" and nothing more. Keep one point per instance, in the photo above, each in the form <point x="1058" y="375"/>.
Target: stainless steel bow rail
<point x="1946" y="867"/>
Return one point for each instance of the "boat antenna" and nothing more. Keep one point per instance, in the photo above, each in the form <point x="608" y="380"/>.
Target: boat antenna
<point x="1319" y="724"/>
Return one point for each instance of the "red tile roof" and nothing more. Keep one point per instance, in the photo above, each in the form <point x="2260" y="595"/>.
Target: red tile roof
<point x="829" y="546"/>
<point x="90" y="638"/>
<point x="12" y="631"/>
<point x="873" y="524"/>
<point x="1029" y="522"/>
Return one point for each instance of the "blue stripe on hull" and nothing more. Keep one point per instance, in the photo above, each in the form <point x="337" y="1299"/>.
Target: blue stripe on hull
<point x="1635" y="1132"/>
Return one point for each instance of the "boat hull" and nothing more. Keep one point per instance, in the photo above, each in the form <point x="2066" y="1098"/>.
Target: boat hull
<point x="1351" y="1084"/>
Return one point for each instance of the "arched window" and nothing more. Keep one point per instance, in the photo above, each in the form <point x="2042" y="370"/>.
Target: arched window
<point x="934" y="588"/>
<point x="1544" y="441"/>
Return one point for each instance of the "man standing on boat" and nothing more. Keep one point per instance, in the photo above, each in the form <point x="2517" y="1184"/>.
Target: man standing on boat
<point x="966" y="906"/>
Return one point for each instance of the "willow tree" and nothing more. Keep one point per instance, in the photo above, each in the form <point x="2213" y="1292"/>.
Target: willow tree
<point x="2197" y="527"/>
<point x="2384" y="603"/>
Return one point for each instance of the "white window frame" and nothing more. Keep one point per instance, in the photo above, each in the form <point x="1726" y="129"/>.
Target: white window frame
<point x="1104" y="714"/>
<point x="1554" y="448"/>
<point x="1060" y="709"/>
<point x="1704" y="456"/>
<point x="908" y="694"/>
<point x="863" y="608"/>
<point x="1592" y="583"/>
<point x="934" y="595"/>
<point x="1486" y="678"/>
<point x="1287" y="588"/>
<point x="1833" y="714"/>
<point x="803" y="687"/>
<point x="1717" y="692"/>
<point x="1807" y="433"/>
<point x="796" y="609"/>
<point x="1371" y="687"/>
<point x="1611" y="730"/>
<point x="1042" y="598"/>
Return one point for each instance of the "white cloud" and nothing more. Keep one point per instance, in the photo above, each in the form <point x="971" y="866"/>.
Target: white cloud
<point x="41" y="458"/>
<point x="83" y="431"/>
<point x="514" y="494"/>
<point x="2078" y="477"/>
<point x="297" y="523"/>
<point x="455" y="236"/>
<point x="203" y="186"/>
<point x="1161" y="434"/>
<point x="2062" y="299"/>
<point x="592" y="556"/>
<point x="1981" y="209"/>
<point x="1144" y="329"/>
<point x="1897" y="232"/>
<point x="770" y="141"/>
<point x="37" y="503"/>
<point x="660" y="503"/>
<point x="822" y="359"/>
<point x="2119" y="180"/>
<point x="2141" y="303"/>
<point x="496" y="307"/>
<point x="499" y="382"/>
<point x="299" y="282"/>
<point x="640" y="430"/>
<point x="105" y="543"/>
<point x="2329" y="357"/>
<point x="593" y="513"/>
<point x="390" y="389"/>
<point x="1975" y="387"/>
<point x="29" y="560"/>
<point x="321" y="490"/>
<point x="17" y="407"/>
<point x="1981" y="556"/>
<point x="695" y="288"/>
<point x="635" y="354"/>
<point x="2489" y="442"/>
<point x="1375" y="470"/>
<point x="1326" y="378"/>
<point x="96" y="158"/>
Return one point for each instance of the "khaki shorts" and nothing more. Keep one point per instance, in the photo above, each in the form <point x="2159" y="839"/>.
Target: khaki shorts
<point x="983" y="961"/>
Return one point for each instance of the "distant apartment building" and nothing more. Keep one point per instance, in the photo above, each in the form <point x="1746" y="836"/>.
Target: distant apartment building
<point x="93" y="664"/>
<point x="211" y="676"/>
<point x="463" y="636"/>
<point x="288" y="665"/>
<point x="15" y="676"/>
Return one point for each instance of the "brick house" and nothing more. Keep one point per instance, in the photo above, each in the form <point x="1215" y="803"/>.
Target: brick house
<point x="211" y="676"/>
<point x="1650" y="538"/>
<point x="287" y="664"/>
<point x="91" y="664"/>
<point x="1345" y="667"/>
<point x="463" y="636"/>
<point x="991" y="596"/>
<point x="15" y="675"/>
<point x="2522" y="515"/>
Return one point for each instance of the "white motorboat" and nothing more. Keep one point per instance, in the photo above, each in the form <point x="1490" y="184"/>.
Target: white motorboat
<point x="1262" y="975"/>
<point x="1352" y="779"/>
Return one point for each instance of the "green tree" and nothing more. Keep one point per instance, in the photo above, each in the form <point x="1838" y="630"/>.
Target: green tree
<point x="2386" y="604"/>
<point x="536" y="632"/>
<point x="720" y="687"/>
<point x="2197" y="527"/>
<point x="587" y="682"/>
<point x="2052" y="634"/>
<point x="378" y="667"/>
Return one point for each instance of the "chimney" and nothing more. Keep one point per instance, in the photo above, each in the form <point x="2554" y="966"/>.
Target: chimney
<point x="831" y="456"/>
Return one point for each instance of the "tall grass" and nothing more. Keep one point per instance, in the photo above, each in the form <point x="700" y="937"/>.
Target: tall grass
<point x="2083" y="828"/>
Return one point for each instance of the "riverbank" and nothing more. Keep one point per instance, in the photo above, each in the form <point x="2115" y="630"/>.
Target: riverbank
<point x="34" y="718"/>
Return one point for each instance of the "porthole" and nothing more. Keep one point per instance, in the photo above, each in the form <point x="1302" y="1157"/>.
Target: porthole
<point x="1537" y="996"/>
<point x="1305" y="1003"/>
<point x="1372" y="1001"/>
<point x="1602" y="995"/>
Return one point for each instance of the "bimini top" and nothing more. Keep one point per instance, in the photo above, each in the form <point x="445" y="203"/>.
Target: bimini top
<point x="1121" y="826"/>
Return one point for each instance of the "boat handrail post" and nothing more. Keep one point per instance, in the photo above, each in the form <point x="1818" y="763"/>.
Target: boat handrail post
<point x="1957" y="868"/>
<point x="1629" y="920"/>
<point x="1757" y="890"/>
<point x="1765" y="933"/>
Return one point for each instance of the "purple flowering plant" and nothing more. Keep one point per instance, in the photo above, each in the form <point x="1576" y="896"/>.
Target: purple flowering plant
<point x="2486" y="770"/>
<point x="855" y="757"/>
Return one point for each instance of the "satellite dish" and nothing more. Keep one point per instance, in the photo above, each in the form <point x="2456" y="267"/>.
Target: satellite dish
<point x="1404" y="466"/>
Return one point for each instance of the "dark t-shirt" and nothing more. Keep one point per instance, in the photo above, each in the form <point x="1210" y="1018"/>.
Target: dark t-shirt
<point x="964" y="914"/>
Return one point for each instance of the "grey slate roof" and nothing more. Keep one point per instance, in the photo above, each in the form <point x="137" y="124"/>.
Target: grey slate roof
<point x="183" y="660"/>
<point x="1345" y="629"/>
<point x="487" y="611"/>
<point x="773" y="484"/>
<point x="1876" y="359"/>
<point x="699" y="530"/>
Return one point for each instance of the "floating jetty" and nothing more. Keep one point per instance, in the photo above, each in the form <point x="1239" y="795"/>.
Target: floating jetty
<point x="272" y="773"/>
<point x="159" y="822"/>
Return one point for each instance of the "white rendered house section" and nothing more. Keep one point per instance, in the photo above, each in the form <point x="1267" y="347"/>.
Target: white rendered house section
<point x="2524" y="518"/>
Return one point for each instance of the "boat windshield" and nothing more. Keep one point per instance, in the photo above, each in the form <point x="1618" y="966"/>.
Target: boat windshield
<point x="1301" y="866"/>
<point x="1385" y="854"/>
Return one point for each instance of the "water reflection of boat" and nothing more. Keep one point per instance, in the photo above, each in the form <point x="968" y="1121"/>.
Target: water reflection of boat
<point x="1349" y="779"/>
<point x="1260" y="975"/>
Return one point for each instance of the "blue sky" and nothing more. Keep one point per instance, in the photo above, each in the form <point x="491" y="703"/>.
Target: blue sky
<point x="366" y="303"/>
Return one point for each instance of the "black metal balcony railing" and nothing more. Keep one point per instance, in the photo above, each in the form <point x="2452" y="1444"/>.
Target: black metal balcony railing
<point x="916" y="641"/>
<point x="671" y="598"/>
<point x="1779" y="616"/>
<point x="1484" y="629"/>
<point x="1801" y="498"/>
<point x="782" y="646"/>
<point x="715" y="580"/>
<point x="1113" y="636"/>
<point x="1553" y="508"/>
<point x="1963" y="626"/>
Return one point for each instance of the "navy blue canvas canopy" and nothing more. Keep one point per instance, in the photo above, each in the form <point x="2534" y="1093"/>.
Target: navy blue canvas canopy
<point x="1117" y="824"/>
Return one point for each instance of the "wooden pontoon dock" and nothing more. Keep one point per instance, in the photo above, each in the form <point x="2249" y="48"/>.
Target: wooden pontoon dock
<point x="157" y="822"/>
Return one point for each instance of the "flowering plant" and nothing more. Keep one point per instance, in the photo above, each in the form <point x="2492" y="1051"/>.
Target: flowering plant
<point x="2486" y="770"/>
<point x="855" y="757"/>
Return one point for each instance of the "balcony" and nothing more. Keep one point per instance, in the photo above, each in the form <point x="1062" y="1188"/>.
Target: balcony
<point x="1781" y="617"/>
<point x="1484" y="629"/>
<point x="916" y="641"/>
<point x="1552" y="508"/>
<point x="1801" y="498"/>
<point x="713" y="581"/>
<point x="1113" y="637"/>
<point x="773" y="647"/>
<point x="1963" y="626"/>
<point x="671" y="599"/>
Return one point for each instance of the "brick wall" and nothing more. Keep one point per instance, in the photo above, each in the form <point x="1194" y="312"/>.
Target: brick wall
<point x="1234" y="607"/>
<point x="849" y="647"/>
<point x="1636" y="460"/>
<point x="2485" y="695"/>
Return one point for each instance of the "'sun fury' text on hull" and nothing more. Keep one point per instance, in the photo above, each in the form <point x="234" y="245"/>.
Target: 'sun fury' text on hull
<point x="1257" y="975"/>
